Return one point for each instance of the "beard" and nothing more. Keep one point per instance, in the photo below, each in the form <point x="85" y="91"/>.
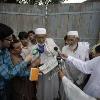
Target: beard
<point x="73" y="47"/>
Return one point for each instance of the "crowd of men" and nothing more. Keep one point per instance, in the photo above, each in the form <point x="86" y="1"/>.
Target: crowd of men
<point x="78" y="79"/>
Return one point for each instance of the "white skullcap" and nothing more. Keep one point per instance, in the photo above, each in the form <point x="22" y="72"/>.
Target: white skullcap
<point x="40" y="31"/>
<point x="75" y="33"/>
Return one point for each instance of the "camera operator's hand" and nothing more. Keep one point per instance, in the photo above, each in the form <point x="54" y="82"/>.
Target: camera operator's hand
<point x="61" y="73"/>
<point x="28" y="58"/>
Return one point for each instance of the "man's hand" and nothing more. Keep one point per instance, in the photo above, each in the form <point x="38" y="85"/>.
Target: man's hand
<point x="61" y="73"/>
<point x="28" y="58"/>
<point x="64" y="56"/>
<point x="36" y="62"/>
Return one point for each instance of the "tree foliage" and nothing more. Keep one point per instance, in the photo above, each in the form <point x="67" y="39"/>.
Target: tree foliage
<point x="32" y="2"/>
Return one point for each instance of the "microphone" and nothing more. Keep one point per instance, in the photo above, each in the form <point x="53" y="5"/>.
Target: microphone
<point x="58" y="56"/>
<point x="59" y="59"/>
<point x="35" y="53"/>
<point x="56" y="49"/>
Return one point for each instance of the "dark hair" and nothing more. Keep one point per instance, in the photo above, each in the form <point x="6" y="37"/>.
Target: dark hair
<point x="31" y="32"/>
<point x="5" y="31"/>
<point x="14" y="38"/>
<point x="65" y="37"/>
<point x="97" y="49"/>
<point x="23" y="35"/>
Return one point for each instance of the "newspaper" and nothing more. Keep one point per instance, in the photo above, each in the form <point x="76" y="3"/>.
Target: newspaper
<point x="49" y="65"/>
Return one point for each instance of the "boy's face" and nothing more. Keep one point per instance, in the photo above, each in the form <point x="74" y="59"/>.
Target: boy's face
<point x="25" y="42"/>
<point x="7" y="41"/>
<point x="31" y="36"/>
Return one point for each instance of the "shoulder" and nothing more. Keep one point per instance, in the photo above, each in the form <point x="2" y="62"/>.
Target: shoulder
<point x="97" y="58"/>
<point x="50" y="40"/>
<point x="84" y="45"/>
<point x="33" y="47"/>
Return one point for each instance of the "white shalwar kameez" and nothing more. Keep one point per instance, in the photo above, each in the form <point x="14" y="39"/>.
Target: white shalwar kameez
<point x="92" y="67"/>
<point x="82" y="53"/>
<point x="47" y="88"/>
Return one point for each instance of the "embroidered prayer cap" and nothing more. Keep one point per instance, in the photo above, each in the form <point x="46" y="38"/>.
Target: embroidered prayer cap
<point x="40" y="31"/>
<point x="74" y="33"/>
<point x="5" y="31"/>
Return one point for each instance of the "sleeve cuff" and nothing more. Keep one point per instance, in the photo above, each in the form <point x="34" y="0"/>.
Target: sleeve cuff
<point x="70" y="58"/>
<point x="64" y="78"/>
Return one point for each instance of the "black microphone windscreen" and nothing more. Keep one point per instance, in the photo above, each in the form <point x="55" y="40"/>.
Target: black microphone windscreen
<point x="56" y="48"/>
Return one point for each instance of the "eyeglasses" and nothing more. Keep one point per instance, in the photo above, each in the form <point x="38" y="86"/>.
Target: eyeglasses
<point x="9" y="40"/>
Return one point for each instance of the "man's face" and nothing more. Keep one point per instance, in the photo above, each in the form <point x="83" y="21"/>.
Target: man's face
<point x="31" y="36"/>
<point x="40" y="39"/>
<point x="71" y="40"/>
<point x="25" y="42"/>
<point x="6" y="41"/>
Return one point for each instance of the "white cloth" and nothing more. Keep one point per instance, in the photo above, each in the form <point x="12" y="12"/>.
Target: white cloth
<point x="47" y="88"/>
<point x="92" y="67"/>
<point x="73" y="92"/>
<point x="74" y="33"/>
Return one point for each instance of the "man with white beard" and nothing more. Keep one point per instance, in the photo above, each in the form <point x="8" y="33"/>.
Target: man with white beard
<point x="47" y="88"/>
<point x="92" y="67"/>
<point x="78" y="50"/>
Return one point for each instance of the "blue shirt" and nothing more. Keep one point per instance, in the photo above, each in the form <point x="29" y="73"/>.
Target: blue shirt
<point x="8" y="70"/>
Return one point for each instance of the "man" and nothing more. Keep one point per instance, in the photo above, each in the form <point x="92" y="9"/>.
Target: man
<point x="93" y="50"/>
<point x="92" y="67"/>
<point x="26" y="46"/>
<point x="78" y="50"/>
<point x="7" y="70"/>
<point x="47" y="86"/>
<point x="31" y="36"/>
